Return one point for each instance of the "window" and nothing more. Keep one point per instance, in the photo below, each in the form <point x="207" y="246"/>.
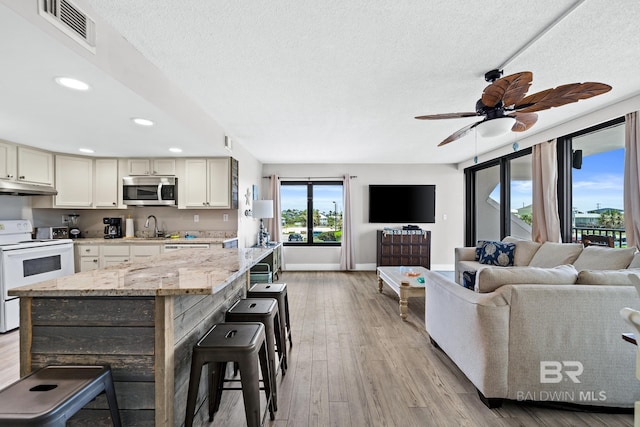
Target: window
<point x="521" y="197"/>
<point x="597" y="184"/>
<point x="311" y="212"/>
<point x="499" y="196"/>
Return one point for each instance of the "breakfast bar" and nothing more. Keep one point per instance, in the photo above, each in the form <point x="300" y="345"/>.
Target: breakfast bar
<point x="140" y="318"/>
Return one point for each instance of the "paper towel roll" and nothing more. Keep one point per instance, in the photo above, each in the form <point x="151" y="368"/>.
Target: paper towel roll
<point x="129" y="228"/>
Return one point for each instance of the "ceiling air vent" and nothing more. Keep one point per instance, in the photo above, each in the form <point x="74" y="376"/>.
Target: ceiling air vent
<point x="69" y="19"/>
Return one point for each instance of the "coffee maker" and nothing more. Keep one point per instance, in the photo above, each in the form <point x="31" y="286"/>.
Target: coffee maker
<point x="112" y="228"/>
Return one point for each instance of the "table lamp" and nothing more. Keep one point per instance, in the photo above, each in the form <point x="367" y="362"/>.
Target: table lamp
<point x="262" y="209"/>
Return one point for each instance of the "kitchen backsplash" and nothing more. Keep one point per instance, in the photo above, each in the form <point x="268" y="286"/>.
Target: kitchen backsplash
<point x="211" y="223"/>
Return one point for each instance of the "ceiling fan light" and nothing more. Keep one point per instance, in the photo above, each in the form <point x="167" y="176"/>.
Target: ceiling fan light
<point x="495" y="127"/>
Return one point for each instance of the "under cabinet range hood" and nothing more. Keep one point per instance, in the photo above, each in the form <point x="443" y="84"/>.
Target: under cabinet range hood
<point x="14" y="188"/>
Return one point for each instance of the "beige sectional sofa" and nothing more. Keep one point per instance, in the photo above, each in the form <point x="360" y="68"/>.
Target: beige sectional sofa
<point x="547" y="329"/>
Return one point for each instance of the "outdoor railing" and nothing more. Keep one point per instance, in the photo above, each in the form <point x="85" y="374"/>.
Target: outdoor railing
<point x="618" y="234"/>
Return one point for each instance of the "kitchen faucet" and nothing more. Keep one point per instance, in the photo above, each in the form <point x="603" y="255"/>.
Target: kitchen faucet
<point x="156" y="232"/>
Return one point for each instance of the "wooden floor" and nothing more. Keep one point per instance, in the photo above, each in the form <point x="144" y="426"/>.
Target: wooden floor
<point x="355" y="363"/>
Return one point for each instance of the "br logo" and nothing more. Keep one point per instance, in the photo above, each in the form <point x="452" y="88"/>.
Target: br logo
<point x="553" y="372"/>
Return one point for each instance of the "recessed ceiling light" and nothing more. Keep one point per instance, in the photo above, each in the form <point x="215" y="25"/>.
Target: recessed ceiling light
<point x="70" y="83"/>
<point x="142" y="122"/>
<point x="175" y="150"/>
<point x="85" y="150"/>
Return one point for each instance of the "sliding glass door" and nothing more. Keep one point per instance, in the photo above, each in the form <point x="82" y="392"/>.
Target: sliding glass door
<point x="499" y="198"/>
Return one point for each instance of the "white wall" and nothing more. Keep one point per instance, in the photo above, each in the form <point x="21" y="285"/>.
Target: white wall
<point x="445" y="234"/>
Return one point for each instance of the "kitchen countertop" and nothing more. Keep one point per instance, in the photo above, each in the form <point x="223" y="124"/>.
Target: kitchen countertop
<point x="184" y="272"/>
<point x="149" y="240"/>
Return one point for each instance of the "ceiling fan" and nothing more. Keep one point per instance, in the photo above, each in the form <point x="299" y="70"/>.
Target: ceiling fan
<point x="505" y="106"/>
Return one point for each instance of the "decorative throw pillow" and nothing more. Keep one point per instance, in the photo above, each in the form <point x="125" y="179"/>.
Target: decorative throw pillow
<point x="479" y="248"/>
<point x="497" y="253"/>
<point x="469" y="279"/>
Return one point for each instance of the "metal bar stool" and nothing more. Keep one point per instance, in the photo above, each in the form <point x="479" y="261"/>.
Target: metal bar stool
<point x="53" y="394"/>
<point x="244" y="343"/>
<point x="279" y="292"/>
<point x="265" y="311"/>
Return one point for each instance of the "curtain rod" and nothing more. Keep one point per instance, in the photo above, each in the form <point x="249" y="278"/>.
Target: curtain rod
<point x="313" y="177"/>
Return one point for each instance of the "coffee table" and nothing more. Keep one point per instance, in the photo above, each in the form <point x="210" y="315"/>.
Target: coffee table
<point x="405" y="283"/>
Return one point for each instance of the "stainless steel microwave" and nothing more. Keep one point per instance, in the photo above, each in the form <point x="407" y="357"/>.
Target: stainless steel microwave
<point x="150" y="190"/>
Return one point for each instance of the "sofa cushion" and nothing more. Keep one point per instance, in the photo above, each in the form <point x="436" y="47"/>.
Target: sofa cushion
<point x="604" y="258"/>
<point x="554" y="254"/>
<point x="635" y="262"/>
<point x="525" y="250"/>
<point x="607" y="277"/>
<point x="489" y="279"/>
<point x="497" y="253"/>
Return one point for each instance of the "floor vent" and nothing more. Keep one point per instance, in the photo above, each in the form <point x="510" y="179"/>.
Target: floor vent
<point x="69" y="19"/>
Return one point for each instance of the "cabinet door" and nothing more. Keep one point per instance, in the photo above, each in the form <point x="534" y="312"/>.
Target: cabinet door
<point x="140" y="252"/>
<point x="74" y="181"/>
<point x="163" y="167"/>
<point x="139" y="167"/>
<point x="195" y="187"/>
<point x="89" y="263"/>
<point x="113" y="260"/>
<point x="35" y="166"/>
<point x="106" y="188"/>
<point x="219" y="182"/>
<point x="7" y="161"/>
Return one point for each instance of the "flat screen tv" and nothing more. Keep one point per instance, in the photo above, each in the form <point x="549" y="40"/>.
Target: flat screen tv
<point x="402" y="203"/>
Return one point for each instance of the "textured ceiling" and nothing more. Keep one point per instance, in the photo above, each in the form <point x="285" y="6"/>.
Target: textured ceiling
<point x="341" y="80"/>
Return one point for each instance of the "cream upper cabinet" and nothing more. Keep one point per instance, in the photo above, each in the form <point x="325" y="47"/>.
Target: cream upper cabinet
<point x="152" y="167"/>
<point x="219" y="180"/>
<point x="7" y="161"/>
<point x="106" y="187"/>
<point x="195" y="185"/>
<point x="208" y="183"/>
<point x="35" y="166"/>
<point x="74" y="181"/>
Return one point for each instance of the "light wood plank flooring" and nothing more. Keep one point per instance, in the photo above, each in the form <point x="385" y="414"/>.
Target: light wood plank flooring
<point x="355" y="363"/>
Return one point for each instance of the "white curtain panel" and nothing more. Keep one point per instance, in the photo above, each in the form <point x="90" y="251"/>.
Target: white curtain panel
<point x="546" y="221"/>
<point x="632" y="179"/>
<point x="275" y="224"/>
<point x="347" y="250"/>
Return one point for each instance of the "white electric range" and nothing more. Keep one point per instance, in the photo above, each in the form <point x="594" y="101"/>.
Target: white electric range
<point x="24" y="261"/>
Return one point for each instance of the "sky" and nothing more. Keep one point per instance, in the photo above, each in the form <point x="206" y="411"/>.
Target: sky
<point x="598" y="184"/>
<point x="295" y="197"/>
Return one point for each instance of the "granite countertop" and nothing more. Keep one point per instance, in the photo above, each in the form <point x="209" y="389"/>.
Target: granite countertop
<point x="149" y="240"/>
<point x="184" y="272"/>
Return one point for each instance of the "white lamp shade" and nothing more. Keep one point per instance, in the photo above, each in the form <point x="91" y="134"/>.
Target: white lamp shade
<point x="495" y="127"/>
<point x="262" y="209"/>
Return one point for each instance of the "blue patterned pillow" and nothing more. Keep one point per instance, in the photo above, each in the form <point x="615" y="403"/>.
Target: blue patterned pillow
<point x="497" y="253"/>
<point x="469" y="279"/>
<point x="479" y="248"/>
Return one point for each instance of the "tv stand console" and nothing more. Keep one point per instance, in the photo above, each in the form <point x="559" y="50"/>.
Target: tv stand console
<point x="404" y="247"/>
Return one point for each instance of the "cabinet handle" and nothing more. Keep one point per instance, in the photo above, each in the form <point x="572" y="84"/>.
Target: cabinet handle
<point x="21" y="177"/>
<point x="95" y="260"/>
<point x="87" y="250"/>
<point x="9" y="175"/>
<point x="114" y="203"/>
<point x="126" y="260"/>
<point x="204" y="203"/>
